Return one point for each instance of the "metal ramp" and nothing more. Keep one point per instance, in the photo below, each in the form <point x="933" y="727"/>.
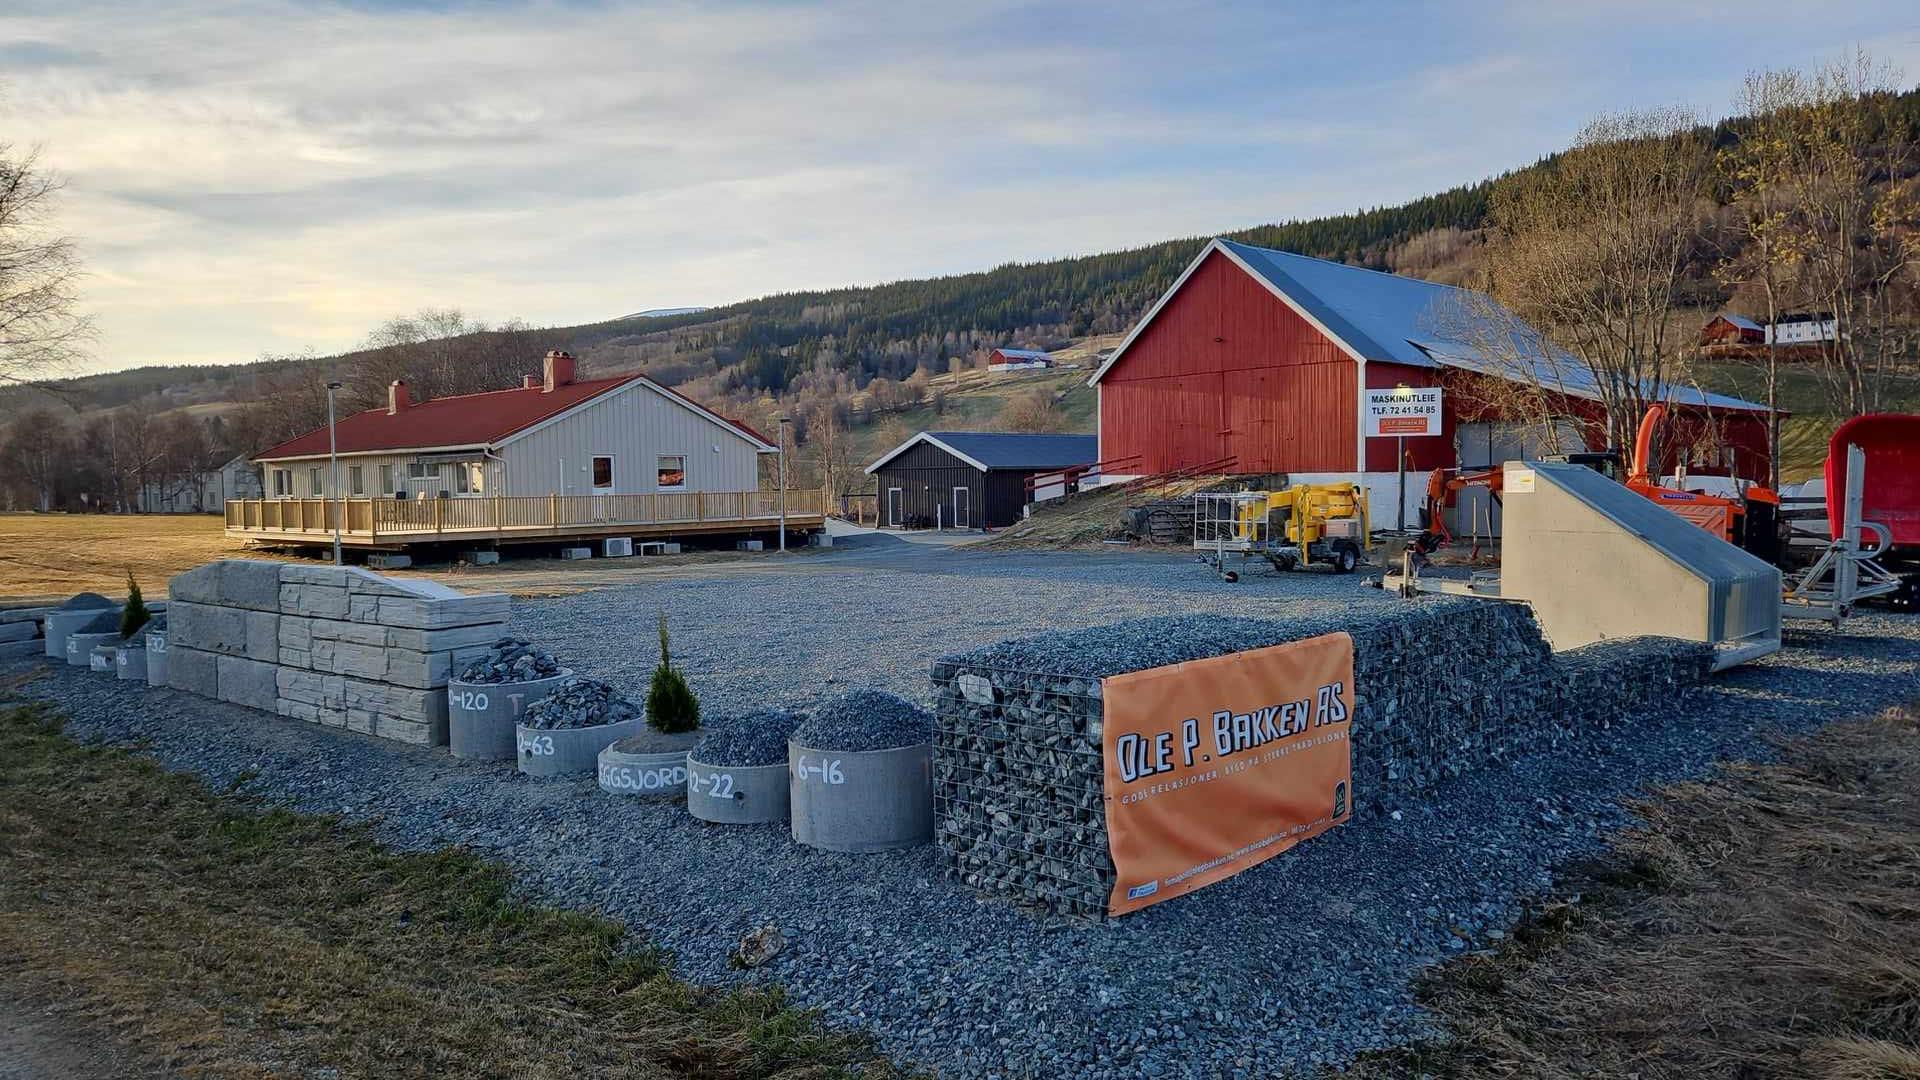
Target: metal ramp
<point x="1595" y="560"/>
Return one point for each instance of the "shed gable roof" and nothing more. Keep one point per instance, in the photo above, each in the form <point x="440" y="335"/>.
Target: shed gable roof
<point x="986" y="450"/>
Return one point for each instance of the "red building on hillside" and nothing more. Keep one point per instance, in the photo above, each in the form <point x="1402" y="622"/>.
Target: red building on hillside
<point x="1255" y="358"/>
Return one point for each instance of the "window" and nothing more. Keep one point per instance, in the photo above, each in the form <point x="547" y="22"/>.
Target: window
<point x="313" y="483"/>
<point x="602" y="472"/>
<point x="417" y="470"/>
<point x="468" y="478"/>
<point x="356" y="479"/>
<point x="283" y="483"/>
<point x="386" y="479"/>
<point x="672" y="473"/>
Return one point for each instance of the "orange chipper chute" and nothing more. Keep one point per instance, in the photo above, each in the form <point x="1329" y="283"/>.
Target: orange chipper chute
<point x="1723" y="517"/>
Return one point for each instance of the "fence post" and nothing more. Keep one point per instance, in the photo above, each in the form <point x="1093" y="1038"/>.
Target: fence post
<point x="553" y="511"/>
<point x="439" y="514"/>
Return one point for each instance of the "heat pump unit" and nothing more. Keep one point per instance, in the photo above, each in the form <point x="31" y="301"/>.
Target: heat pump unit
<point x="615" y="547"/>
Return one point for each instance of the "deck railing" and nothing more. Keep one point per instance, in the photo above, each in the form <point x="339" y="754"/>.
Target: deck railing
<point x="367" y="518"/>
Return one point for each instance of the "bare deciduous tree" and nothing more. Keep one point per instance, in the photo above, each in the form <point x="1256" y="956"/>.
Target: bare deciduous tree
<point x="1031" y="412"/>
<point x="1592" y="250"/>
<point x="40" y="332"/>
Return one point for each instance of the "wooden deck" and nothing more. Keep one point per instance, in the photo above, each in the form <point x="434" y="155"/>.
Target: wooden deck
<point x="397" y="523"/>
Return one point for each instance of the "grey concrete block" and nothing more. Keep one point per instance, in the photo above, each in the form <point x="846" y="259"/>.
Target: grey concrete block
<point x="480" y="558"/>
<point x="383" y="561"/>
<point x="367" y="583"/>
<point x="193" y="671"/>
<point x="200" y="585"/>
<point x="359" y="720"/>
<point x="21" y="650"/>
<point x="26" y="614"/>
<point x="25" y="630"/>
<point x="416" y="614"/>
<point x="405" y="703"/>
<point x="248" y="682"/>
<point x="340" y="630"/>
<point x="253" y="584"/>
<point x="820" y="540"/>
<point x="750" y="545"/>
<point x="411" y="731"/>
<point x="456" y="637"/>
<point x="296" y="632"/>
<point x="312" y="600"/>
<point x="576" y="553"/>
<point x="310" y="687"/>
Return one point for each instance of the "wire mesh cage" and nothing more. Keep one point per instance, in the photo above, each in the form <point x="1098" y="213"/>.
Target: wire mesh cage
<point x="1230" y="521"/>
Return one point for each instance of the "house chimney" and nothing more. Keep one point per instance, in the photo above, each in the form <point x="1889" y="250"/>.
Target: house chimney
<point x="559" y="370"/>
<point x="529" y="382"/>
<point x="397" y="397"/>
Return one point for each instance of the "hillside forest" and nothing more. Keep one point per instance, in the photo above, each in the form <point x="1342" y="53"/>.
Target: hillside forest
<point x="1618" y="249"/>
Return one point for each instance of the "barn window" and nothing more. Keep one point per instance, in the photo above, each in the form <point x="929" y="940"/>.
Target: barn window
<point x="671" y="473"/>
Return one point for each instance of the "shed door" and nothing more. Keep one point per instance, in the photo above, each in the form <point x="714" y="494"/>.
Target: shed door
<point x="963" y="508"/>
<point x="893" y="507"/>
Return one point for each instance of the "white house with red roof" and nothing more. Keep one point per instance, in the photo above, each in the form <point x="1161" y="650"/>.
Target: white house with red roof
<point x="552" y="435"/>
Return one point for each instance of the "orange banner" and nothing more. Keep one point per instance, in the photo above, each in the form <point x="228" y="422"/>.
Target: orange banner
<point x="1404" y="425"/>
<point x="1217" y="765"/>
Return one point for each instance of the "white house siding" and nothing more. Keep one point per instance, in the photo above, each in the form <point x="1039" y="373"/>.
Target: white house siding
<point x="635" y="425"/>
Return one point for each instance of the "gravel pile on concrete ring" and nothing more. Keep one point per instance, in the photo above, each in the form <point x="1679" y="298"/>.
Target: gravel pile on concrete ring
<point x="510" y="659"/>
<point x="85" y="601"/>
<point x="102" y="623"/>
<point x="746" y="739"/>
<point x="865" y="719"/>
<point x="580" y="703"/>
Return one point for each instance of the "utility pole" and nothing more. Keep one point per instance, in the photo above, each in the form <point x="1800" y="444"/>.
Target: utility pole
<point x="784" y="421"/>
<point x="333" y="473"/>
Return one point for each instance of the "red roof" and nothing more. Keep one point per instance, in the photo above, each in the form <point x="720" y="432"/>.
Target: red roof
<point x="482" y="419"/>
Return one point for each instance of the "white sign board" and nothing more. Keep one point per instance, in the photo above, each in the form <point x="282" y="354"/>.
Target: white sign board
<point x="1402" y="412"/>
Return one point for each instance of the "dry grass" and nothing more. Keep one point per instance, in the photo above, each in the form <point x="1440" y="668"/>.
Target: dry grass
<point x="1765" y="923"/>
<point x="221" y="939"/>
<point x="53" y="556"/>
<point x="1086" y="518"/>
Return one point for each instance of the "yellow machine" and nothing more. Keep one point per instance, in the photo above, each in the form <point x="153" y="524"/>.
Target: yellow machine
<point x="1301" y="526"/>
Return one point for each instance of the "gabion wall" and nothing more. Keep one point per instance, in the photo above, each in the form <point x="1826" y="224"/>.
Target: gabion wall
<point x="1442" y="686"/>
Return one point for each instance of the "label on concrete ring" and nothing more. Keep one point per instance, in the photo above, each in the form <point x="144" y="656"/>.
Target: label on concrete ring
<point x="826" y="772"/>
<point x="632" y="778"/>
<point x="714" y="785"/>
<point x="536" y="745"/>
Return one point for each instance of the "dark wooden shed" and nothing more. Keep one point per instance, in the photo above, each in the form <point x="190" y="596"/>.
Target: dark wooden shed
<point x="970" y="479"/>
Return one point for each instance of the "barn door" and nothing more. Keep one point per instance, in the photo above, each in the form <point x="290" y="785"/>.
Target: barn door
<point x="963" y="508"/>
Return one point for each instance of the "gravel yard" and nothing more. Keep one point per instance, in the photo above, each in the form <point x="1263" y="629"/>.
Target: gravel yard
<point x="1302" y="961"/>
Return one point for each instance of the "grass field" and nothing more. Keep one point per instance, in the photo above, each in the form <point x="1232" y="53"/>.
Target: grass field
<point x="1804" y="435"/>
<point x="53" y="556"/>
<point x="220" y="938"/>
<point x="1761" y="923"/>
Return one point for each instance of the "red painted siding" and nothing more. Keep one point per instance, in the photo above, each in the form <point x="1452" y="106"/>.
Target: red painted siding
<point x="1228" y="369"/>
<point x="1431" y="452"/>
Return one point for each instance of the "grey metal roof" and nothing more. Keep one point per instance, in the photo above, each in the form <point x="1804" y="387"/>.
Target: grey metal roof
<point x="1743" y="322"/>
<point x="1405" y="320"/>
<point x="1006" y="450"/>
<point x="1026" y="354"/>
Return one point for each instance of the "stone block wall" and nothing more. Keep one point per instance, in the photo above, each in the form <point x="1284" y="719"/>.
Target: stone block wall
<point x="339" y="646"/>
<point x="1442" y="687"/>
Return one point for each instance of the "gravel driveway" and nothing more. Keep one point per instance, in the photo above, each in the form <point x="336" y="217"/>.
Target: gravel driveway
<point x="1302" y="961"/>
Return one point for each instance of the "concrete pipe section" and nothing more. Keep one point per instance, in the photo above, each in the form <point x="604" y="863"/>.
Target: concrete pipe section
<point x="156" y="658"/>
<point x="130" y="662"/>
<point x="104" y="658"/>
<point x="569" y="751"/>
<point x="651" y="765"/>
<point x="61" y="624"/>
<point x="868" y="800"/>
<point x="481" y="717"/>
<point x="80" y="646"/>
<point x="739" y="794"/>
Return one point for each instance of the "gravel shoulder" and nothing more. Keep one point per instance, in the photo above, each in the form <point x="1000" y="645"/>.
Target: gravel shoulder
<point x="1301" y="962"/>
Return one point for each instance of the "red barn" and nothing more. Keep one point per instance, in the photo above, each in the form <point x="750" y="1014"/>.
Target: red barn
<point x="1255" y="358"/>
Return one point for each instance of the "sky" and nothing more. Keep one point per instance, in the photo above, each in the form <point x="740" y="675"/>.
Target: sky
<point x="270" y="178"/>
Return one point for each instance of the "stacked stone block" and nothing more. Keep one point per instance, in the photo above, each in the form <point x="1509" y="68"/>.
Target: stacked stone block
<point x="1442" y="687"/>
<point x="339" y="646"/>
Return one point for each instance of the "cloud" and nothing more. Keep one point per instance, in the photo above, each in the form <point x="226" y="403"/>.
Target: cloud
<point x="282" y="176"/>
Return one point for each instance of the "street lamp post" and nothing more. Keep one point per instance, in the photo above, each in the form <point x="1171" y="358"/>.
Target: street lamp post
<point x="333" y="473"/>
<point x="784" y="421"/>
